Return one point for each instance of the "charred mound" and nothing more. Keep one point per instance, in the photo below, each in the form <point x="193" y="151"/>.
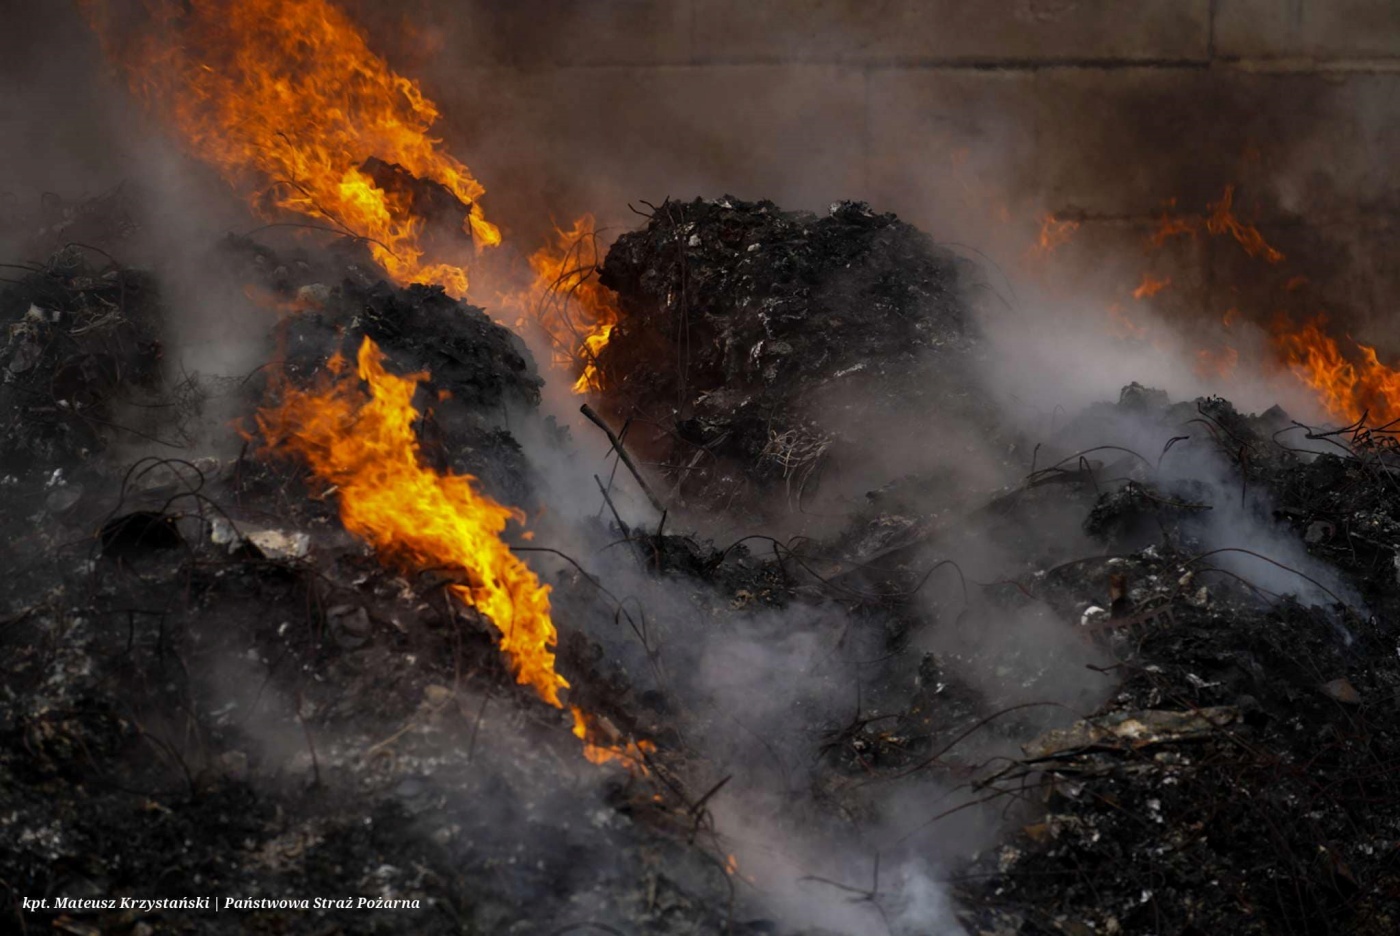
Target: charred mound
<point x="80" y="340"/>
<point x="759" y="344"/>
<point x="1240" y="777"/>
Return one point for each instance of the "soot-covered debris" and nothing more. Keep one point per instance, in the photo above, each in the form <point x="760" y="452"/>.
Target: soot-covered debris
<point x="208" y="687"/>
<point x="758" y="343"/>
<point x="1241" y="777"/>
<point x="82" y="353"/>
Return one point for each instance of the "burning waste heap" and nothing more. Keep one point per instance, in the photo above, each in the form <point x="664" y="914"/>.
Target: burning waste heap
<point x="1152" y="693"/>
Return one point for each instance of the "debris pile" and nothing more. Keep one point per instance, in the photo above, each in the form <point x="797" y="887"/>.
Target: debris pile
<point x="1162" y="666"/>
<point x="1241" y="777"/>
<point x="82" y="349"/>
<point x="207" y="687"/>
<point x="754" y="344"/>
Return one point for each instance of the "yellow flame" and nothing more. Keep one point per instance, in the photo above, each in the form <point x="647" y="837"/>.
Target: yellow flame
<point x="286" y="99"/>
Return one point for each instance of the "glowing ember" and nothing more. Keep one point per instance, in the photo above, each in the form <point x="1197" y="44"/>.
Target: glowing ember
<point x="1053" y="234"/>
<point x="286" y="99"/>
<point x="567" y="301"/>
<point x="1350" y="390"/>
<point x="1151" y="286"/>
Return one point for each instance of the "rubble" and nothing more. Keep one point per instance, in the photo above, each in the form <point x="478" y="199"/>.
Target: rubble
<point x="208" y="688"/>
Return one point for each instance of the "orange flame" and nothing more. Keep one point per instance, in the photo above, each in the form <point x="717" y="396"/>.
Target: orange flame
<point x="1053" y="234"/>
<point x="575" y="310"/>
<point x="1350" y="390"/>
<point x="286" y="99"/>
<point x="602" y="744"/>
<point x="1169" y="227"/>
<point x="363" y="443"/>
<point x="1151" y="286"/>
<point x="1221" y="220"/>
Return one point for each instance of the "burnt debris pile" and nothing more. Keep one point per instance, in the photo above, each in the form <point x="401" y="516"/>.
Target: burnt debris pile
<point x="1146" y="685"/>
<point x="82" y="349"/>
<point x="1239" y="777"/>
<point x="756" y="345"/>
<point x="210" y="688"/>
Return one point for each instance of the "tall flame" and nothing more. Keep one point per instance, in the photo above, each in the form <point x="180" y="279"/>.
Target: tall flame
<point x="355" y="431"/>
<point x="362" y="442"/>
<point x="576" y="311"/>
<point x="286" y="99"/>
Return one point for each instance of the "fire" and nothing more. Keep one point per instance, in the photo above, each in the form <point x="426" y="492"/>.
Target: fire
<point x="362" y="444"/>
<point x="1221" y="220"/>
<point x="1169" y="227"/>
<point x="1151" y="286"/>
<point x="576" y="311"/>
<point x="286" y="99"/>
<point x="1350" y="390"/>
<point x="1053" y="234"/>
<point x="602" y="744"/>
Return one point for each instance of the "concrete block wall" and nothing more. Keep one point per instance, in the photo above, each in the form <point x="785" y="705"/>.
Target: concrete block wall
<point x="970" y="118"/>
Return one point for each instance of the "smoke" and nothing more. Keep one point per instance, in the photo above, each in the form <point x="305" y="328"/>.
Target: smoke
<point x="975" y="158"/>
